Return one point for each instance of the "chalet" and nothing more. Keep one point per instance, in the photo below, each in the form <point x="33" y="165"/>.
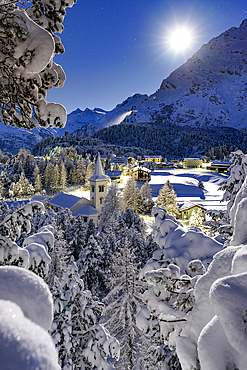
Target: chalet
<point x="140" y="173"/>
<point x="87" y="208"/>
<point x="220" y="167"/>
<point x="192" y="163"/>
<point x="187" y="208"/>
<point x="128" y="169"/>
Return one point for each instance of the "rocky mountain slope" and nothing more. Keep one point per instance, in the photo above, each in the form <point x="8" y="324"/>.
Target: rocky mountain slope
<point x="210" y="89"/>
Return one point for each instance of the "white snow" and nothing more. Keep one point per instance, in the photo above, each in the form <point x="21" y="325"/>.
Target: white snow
<point x="185" y="183"/>
<point x="24" y="344"/>
<point x="38" y="40"/>
<point x="28" y="291"/>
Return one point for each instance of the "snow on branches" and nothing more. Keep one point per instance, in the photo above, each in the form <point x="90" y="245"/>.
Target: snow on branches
<point x="27" y="71"/>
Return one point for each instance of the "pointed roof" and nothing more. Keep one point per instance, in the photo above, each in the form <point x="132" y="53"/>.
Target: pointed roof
<point x="98" y="172"/>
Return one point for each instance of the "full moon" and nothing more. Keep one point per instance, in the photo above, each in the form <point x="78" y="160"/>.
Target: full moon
<point x="180" y="39"/>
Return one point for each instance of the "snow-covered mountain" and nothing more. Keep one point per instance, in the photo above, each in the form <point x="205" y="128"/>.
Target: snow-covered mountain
<point x="210" y="89"/>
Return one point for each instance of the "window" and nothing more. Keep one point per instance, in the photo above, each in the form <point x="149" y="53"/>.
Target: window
<point x="100" y="200"/>
<point x="93" y="188"/>
<point x="101" y="188"/>
<point x="85" y="219"/>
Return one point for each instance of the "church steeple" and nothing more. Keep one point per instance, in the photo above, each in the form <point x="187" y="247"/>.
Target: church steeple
<point x="98" y="172"/>
<point x="98" y="184"/>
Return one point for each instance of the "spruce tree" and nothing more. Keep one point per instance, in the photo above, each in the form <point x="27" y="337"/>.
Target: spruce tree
<point x="81" y="342"/>
<point x="48" y="176"/>
<point x="122" y="304"/>
<point x="63" y="176"/>
<point x="111" y="206"/>
<point x="196" y="218"/>
<point x="37" y="180"/>
<point x="132" y="196"/>
<point x="89" y="265"/>
<point x="147" y="199"/>
<point x="55" y="179"/>
<point x="167" y="199"/>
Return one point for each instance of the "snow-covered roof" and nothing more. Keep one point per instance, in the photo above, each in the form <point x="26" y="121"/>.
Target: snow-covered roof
<point x="128" y="166"/>
<point x="98" y="172"/>
<point x="40" y="198"/>
<point x="64" y="200"/>
<point x="188" y="204"/>
<point x="16" y="203"/>
<point x="217" y="163"/>
<point x="113" y="174"/>
<point x="86" y="211"/>
<point x="119" y="160"/>
<point x="142" y="169"/>
<point x="152" y="156"/>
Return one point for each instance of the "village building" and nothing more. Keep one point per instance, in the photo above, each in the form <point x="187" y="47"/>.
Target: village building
<point x="115" y="176"/>
<point x="186" y="209"/>
<point x="220" y="167"/>
<point x="153" y="158"/>
<point x="87" y="208"/>
<point x="141" y="173"/>
<point x="117" y="163"/>
<point x="192" y="163"/>
<point x="128" y="169"/>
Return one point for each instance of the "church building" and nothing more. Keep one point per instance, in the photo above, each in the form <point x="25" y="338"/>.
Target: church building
<point x="87" y="208"/>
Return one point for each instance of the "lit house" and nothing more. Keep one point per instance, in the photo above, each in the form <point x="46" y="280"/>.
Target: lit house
<point x="82" y="206"/>
<point x="153" y="158"/>
<point x="140" y="173"/>
<point x="192" y="162"/>
<point x="187" y="208"/>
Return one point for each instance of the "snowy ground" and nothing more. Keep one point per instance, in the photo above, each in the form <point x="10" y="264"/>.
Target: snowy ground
<point x="185" y="183"/>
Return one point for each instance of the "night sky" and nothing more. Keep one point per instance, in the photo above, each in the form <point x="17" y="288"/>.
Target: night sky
<point x="115" y="49"/>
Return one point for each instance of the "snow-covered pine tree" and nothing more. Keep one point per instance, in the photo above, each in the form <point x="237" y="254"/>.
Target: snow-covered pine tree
<point x="232" y="184"/>
<point x="5" y="184"/>
<point x="62" y="177"/>
<point x="89" y="266"/>
<point x="132" y="196"/>
<point x="55" y="179"/>
<point x="37" y="180"/>
<point x="111" y="206"/>
<point x="89" y="171"/>
<point x="196" y="218"/>
<point x="200" y="185"/>
<point x="147" y="199"/>
<point x="81" y="342"/>
<point x="21" y="188"/>
<point x="122" y="304"/>
<point x="48" y="176"/>
<point x="167" y="199"/>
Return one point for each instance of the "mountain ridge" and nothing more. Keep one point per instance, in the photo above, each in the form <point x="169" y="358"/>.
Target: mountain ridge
<point x="208" y="90"/>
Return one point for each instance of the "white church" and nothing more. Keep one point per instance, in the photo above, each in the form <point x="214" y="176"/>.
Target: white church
<point x="87" y="208"/>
